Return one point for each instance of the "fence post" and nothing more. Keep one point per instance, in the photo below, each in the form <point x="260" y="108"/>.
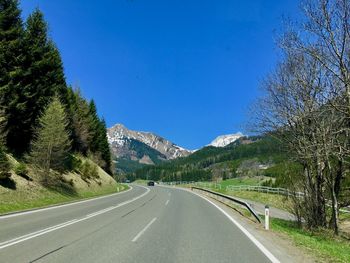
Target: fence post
<point x="267" y="217"/>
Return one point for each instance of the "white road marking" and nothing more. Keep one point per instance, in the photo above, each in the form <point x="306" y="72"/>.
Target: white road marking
<point x="143" y="230"/>
<point x="167" y="202"/>
<point x="59" y="206"/>
<point x="263" y="249"/>
<point x="260" y="246"/>
<point x="22" y="238"/>
<point x="68" y="223"/>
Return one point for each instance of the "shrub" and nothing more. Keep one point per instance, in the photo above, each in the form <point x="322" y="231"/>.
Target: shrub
<point x="21" y="170"/>
<point x="75" y="164"/>
<point x="5" y="166"/>
<point x="89" y="170"/>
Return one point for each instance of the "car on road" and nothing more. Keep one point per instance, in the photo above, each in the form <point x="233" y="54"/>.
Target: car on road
<point x="150" y="183"/>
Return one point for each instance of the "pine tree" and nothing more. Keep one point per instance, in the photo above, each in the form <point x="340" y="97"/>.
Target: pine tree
<point x="99" y="144"/>
<point x="103" y="147"/>
<point x="5" y="166"/>
<point x="4" y="162"/>
<point x="80" y="120"/>
<point x="93" y="126"/>
<point x="11" y="73"/>
<point x="3" y="123"/>
<point x="50" y="149"/>
<point x="43" y="76"/>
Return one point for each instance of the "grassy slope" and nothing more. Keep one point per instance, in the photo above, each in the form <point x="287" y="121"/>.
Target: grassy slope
<point x="31" y="194"/>
<point x="274" y="200"/>
<point x="322" y="243"/>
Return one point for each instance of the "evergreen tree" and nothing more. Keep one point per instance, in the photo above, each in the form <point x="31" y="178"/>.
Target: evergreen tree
<point x="4" y="162"/>
<point x="94" y="124"/>
<point x="80" y="119"/>
<point x="103" y="147"/>
<point x="99" y="144"/>
<point x="11" y="73"/>
<point x="5" y="166"/>
<point x="50" y="149"/>
<point x="43" y="76"/>
<point x="3" y="123"/>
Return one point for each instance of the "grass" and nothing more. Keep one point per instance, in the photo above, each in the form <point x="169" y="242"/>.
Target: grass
<point x="243" y="181"/>
<point x="322" y="243"/>
<point x="258" y="180"/>
<point x="142" y="182"/>
<point x="18" y="201"/>
<point x="274" y="200"/>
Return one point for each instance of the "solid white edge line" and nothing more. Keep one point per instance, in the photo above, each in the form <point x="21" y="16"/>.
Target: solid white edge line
<point x="63" y="205"/>
<point x="261" y="247"/>
<point x="38" y="233"/>
<point x="143" y="230"/>
<point x="33" y="233"/>
<point x="41" y="232"/>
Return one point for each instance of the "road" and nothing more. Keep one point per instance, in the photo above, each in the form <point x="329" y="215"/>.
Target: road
<point x="144" y="224"/>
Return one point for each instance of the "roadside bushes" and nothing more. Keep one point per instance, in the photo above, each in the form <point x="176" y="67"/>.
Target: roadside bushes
<point x="89" y="170"/>
<point x="86" y="168"/>
<point x="21" y="170"/>
<point x="5" y="166"/>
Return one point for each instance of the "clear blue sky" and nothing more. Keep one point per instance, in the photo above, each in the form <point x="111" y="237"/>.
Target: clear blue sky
<point x="187" y="70"/>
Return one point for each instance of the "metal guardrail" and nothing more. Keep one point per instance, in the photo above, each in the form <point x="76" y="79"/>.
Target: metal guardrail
<point x="271" y="190"/>
<point x="202" y="184"/>
<point x="245" y="204"/>
<point x="257" y="188"/>
<point x="264" y="189"/>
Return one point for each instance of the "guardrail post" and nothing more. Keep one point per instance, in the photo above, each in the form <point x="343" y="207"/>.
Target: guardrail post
<point x="267" y="217"/>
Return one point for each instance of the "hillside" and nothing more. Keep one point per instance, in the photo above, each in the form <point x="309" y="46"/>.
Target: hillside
<point x="244" y="157"/>
<point x="25" y="189"/>
<point x="137" y="156"/>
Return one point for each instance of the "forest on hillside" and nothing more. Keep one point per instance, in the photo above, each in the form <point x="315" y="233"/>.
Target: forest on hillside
<point x="44" y="122"/>
<point x="212" y="163"/>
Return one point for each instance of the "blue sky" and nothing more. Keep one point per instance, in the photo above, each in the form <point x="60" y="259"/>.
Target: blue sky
<point x="187" y="70"/>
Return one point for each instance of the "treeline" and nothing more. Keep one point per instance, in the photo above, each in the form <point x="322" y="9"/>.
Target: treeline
<point x="42" y="120"/>
<point x="199" y="165"/>
<point x="307" y="106"/>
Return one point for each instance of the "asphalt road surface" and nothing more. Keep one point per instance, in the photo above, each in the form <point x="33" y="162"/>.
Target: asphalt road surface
<point x="144" y="224"/>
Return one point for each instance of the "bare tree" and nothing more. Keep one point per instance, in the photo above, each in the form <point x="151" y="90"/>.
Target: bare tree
<point x="307" y="104"/>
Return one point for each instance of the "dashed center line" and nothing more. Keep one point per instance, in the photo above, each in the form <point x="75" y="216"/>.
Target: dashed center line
<point x="167" y="202"/>
<point x="143" y="230"/>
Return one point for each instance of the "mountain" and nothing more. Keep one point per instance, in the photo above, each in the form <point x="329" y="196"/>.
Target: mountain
<point x="223" y="140"/>
<point x="135" y="149"/>
<point x="251" y="156"/>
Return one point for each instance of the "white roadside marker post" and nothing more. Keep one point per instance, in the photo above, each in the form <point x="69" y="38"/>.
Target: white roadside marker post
<point x="267" y="217"/>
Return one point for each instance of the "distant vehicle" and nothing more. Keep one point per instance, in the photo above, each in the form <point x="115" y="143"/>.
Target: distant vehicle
<point x="127" y="181"/>
<point x="150" y="183"/>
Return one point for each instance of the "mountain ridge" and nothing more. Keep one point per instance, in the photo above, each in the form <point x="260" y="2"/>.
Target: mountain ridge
<point x="118" y="134"/>
<point x="224" y="140"/>
<point x="133" y="150"/>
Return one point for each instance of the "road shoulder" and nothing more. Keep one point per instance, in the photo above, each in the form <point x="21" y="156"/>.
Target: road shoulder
<point x="278" y="244"/>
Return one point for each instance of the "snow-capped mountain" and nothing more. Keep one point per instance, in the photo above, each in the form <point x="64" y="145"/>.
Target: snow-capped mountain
<point x="223" y="140"/>
<point x="119" y="138"/>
